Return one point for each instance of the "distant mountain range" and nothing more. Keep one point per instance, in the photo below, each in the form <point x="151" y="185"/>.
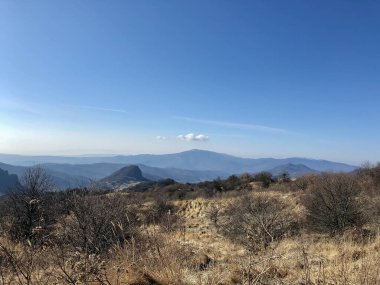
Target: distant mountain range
<point x="188" y="166"/>
<point x="97" y="171"/>
<point x="78" y="175"/>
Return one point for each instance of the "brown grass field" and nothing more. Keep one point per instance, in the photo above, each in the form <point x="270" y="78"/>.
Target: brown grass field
<point x="187" y="244"/>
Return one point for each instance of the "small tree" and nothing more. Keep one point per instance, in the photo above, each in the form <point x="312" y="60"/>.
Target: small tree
<point x="285" y="177"/>
<point x="214" y="213"/>
<point x="266" y="178"/>
<point x="332" y="203"/>
<point x="27" y="208"/>
<point x="231" y="183"/>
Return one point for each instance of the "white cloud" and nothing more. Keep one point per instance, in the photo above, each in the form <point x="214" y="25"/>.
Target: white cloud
<point x="193" y="137"/>
<point x="161" y="138"/>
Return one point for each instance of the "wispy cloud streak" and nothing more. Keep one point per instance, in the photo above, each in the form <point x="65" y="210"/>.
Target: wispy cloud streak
<point x="234" y="125"/>
<point x="102" y="109"/>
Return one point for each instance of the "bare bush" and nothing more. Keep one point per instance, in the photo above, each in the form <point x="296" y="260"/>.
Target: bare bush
<point x="23" y="264"/>
<point x="97" y="222"/>
<point x="333" y="204"/>
<point x="214" y="213"/>
<point x="78" y="268"/>
<point x="163" y="213"/>
<point x="258" y="221"/>
<point x="369" y="179"/>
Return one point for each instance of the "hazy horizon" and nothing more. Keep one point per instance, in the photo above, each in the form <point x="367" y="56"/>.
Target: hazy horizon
<point x="355" y="163"/>
<point x="246" y="78"/>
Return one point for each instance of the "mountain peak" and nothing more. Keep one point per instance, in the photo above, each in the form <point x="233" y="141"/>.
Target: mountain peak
<point x="125" y="175"/>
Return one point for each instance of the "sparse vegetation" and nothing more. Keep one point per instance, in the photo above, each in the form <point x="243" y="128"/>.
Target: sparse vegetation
<point x="251" y="229"/>
<point x="27" y="207"/>
<point x="260" y="220"/>
<point x="333" y="203"/>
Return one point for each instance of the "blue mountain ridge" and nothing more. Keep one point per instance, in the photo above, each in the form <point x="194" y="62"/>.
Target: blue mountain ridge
<point x="189" y="166"/>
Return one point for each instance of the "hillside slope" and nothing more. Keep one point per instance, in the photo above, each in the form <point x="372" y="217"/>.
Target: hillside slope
<point x="59" y="180"/>
<point x="7" y="181"/>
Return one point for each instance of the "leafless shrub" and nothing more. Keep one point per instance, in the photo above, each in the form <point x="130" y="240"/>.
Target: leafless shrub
<point x="163" y="213"/>
<point x="333" y="204"/>
<point x="283" y="187"/>
<point x="74" y="267"/>
<point x="97" y="223"/>
<point x="258" y="221"/>
<point x="369" y="179"/>
<point x="214" y="214"/>
<point x="23" y="264"/>
<point x="303" y="182"/>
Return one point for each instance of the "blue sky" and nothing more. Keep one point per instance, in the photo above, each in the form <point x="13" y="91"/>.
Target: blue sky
<point x="249" y="78"/>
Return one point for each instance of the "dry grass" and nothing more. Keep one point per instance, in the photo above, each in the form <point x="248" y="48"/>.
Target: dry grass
<point x="197" y="253"/>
